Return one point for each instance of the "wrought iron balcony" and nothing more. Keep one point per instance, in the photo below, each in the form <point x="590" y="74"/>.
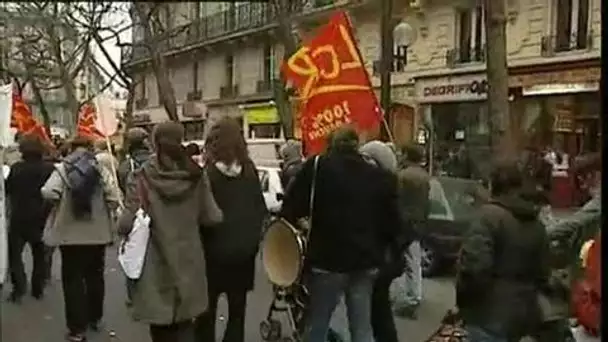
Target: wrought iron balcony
<point x="576" y="41"/>
<point x="455" y="57"/>
<point x="195" y="95"/>
<point x="238" y="19"/>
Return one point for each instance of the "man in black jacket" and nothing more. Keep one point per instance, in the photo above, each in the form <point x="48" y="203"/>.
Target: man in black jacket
<point x="504" y="263"/>
<point x="348" y="237"/>
<point x="28" y="216"/>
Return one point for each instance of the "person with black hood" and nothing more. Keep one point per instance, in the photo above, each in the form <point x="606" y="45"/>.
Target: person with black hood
<point x="29" y="212"/>
<point x="175" y="192"/>
<point x="348" y="237"/>
<point x="231" y="247"/>
<point x="503" y="266"/>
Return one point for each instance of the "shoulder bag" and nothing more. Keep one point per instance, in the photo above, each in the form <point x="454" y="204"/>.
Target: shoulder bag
<point x="132" y="252"/>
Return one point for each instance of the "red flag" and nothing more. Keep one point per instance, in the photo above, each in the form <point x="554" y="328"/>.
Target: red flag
<point x="86" y="123"/>
<point x="332" y="83"/>
<point x="25" y="123"/>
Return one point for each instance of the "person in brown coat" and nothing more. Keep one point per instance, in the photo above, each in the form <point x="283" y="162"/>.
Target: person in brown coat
<point x="415" y="205"/>
<point x="172" y="289"/>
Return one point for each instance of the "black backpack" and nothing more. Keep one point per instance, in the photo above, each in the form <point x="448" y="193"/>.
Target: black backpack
<point x="82" y="178"/>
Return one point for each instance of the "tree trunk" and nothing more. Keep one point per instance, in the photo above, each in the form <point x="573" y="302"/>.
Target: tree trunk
<point x="502" y="141"/>
<point x="166" y="93"/>
<point x="280" y="93"/>
<point x="128" y="116"/>
<point x="46" y="118"/>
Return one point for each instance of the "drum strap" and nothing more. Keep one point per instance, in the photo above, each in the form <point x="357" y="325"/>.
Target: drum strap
<point x="313" y="187"/>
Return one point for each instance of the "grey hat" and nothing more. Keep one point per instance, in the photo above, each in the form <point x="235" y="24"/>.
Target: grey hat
<point x="291" y="150"/>
<point x="136" y="135"/>
<point x="381" y="154"/>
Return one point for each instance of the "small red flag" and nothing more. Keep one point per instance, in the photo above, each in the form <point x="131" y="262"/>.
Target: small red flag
<point x="86" y="123"/>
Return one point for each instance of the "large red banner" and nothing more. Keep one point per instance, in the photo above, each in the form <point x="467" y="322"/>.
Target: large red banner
<point x="332" y="83"/>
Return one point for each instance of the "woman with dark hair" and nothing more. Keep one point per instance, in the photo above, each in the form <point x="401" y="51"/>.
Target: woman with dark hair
<point x="28" y="215"/>
<point x="230" y="249"/>
<point x="175" y="192"/>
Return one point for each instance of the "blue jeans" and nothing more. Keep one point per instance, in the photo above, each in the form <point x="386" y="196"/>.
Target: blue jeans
<point x="479" y="334"/>
<point x="326" y="289"/>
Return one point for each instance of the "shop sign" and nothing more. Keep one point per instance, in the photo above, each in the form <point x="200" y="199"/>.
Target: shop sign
<point x="453" y="89"/>
<point x="572" y="76"/>
<point x="262" y="115"/>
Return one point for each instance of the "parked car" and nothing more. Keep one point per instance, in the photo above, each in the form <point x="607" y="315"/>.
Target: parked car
<point x="272" y="188"/>
<point x="452" y="208"/>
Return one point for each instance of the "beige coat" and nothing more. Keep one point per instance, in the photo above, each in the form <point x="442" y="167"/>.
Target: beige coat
<point x="173" y="284"/>
<point x="63" y="228"/>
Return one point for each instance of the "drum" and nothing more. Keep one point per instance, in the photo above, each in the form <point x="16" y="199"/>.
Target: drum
<point x="283" y="248"/>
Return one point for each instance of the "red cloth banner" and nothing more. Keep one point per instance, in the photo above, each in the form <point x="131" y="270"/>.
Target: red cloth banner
<point x="86" y="123"/>
<point x="25" y="123"/>
<point x="332" y="83"/>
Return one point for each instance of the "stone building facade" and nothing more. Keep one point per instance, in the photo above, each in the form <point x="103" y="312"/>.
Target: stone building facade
<point x="228" y="57"/>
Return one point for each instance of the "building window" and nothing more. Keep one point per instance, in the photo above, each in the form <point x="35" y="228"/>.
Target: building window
<point x="229" y="70"/>
<point x="571" y="25"/>
<point x="267" y="68"/>
<point x="471" y="35"/>
<point x="264" y="131"/>
<point x="195" y="76"/>
<point x="197" y="11"/>
<point x="194" y="130"/>
<point x="142" y="87"/>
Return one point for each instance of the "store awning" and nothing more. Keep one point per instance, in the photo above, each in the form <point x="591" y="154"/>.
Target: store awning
<point x="262" y="115"/>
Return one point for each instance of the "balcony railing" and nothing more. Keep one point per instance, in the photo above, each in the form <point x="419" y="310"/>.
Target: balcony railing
<point x="194" y="95"/>
<point x="563" y="43"/>
<point x="250" y="16"/>
<point x="455" y="57"/>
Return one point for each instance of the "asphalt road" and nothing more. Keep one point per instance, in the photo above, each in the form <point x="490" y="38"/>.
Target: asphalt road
<point x="42" y="321"/>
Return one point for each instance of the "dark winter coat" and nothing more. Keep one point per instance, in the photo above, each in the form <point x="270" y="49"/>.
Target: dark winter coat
<point x="349" y="228"/>
<point x="503" y="267"/>
<point x="29" y="210"/>
<point x="231" y="247"/>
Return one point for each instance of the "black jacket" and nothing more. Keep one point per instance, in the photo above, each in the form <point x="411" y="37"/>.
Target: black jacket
<point x="240" y="199"/>
<point x="503" y="267"/>
<point x="28" y="209"/>
<point x="355" y="215"/>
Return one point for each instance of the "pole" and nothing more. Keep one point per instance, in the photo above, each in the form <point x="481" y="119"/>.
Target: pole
<point x="386" y="61"/>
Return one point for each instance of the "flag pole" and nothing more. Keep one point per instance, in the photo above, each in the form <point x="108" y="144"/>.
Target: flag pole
<point x="106" y="136"/>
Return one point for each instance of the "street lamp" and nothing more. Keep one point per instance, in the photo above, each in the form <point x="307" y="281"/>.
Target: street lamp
<point x="401" y="35"/>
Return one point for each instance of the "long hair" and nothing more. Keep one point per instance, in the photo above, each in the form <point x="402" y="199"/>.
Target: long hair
<point x="225" y="143"/>
<point x="171" y="155"/>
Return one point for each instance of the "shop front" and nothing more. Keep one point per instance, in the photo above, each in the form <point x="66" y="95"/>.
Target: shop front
<point x="555" y="108"/>
<point x="454" y="112"/>
<point x="561" y="107"/>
